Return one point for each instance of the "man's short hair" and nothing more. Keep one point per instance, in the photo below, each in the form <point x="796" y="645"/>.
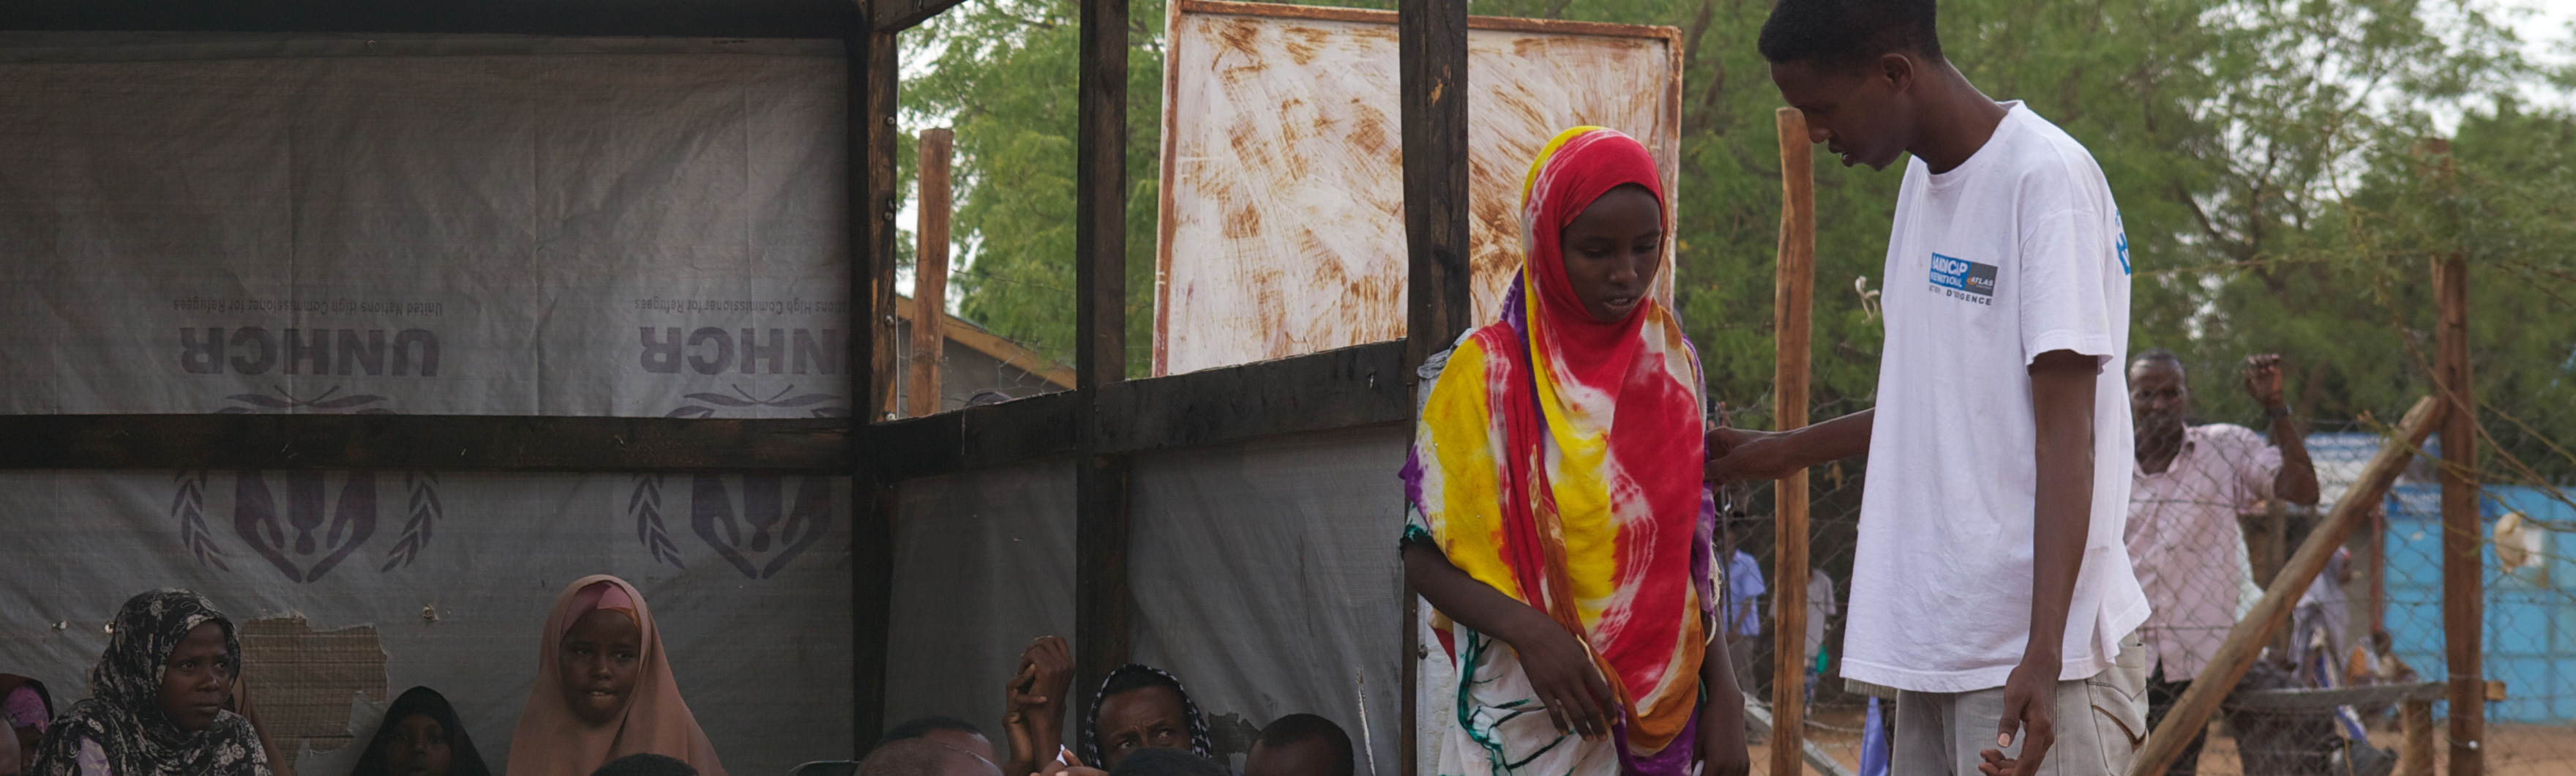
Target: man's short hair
<point x="1297" y="729"/>
<point x="646" y="765"/>
<point x="919" y="727"/>
<point x="1848" y="34"/>
<point x="2156" y="354"/>
<point x="915" y="757"/>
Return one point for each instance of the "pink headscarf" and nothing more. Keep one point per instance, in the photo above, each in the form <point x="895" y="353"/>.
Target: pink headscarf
<point x="552" y="741"/>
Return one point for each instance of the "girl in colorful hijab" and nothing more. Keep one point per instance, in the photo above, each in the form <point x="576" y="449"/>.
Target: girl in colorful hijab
<point x="604" y="689"/>
<point x="421" y="736"/>
<point x="29" y="711"/>
<point x="1558" y="524"/>
<point x="1139" y="708"/>
<point x="156" y="702"/>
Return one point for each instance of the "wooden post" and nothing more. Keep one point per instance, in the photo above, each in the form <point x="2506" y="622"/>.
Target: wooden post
<point x="873" y="68"/>
<point x="2463" y="590"/>
<point x="1431" y="76"/>
<point x="1103" y="605"/>
<point x="930" y="275"/>
<point x="2415" y="755"/>
<point x="2245" y="641"/>
<point x="1793" y="295"/>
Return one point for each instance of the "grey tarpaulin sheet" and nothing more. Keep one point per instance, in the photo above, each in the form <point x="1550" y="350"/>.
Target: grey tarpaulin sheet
<point x="983" y="564"/>
<point x="758" y="631"/>
<point x="1266" y="577"/>
<point x="422" y="224"/>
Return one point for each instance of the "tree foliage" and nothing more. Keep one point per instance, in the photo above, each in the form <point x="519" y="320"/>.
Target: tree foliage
<point x="2270" y="158"/>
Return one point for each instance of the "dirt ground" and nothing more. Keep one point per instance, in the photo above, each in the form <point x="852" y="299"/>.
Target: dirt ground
<point x="2512" y="749"/>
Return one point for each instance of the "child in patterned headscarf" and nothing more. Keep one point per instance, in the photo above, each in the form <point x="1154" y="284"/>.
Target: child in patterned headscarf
<point x="1558" y="522"/>
<point x="157" y="697"/>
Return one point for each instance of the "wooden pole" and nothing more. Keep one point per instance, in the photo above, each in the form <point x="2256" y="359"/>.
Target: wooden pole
<point x="1793" y="294"/>
<point x="930" y="275"/>
<point x="1103" y="604"/>
<point x="873" y="67"/>
<point x="2463" y="589"/>
<point x="2415" y="755"/>
<point x="1431" y="71"/>
<point x="2245" y="641"/>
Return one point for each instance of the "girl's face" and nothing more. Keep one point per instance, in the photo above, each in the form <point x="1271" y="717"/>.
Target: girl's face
<point x="197" y="678"/>
<point x="1612" y="252"/>
<point x="418" y="748"/>
<point x="1144" y="718"/>
<point x="598" y="661"/>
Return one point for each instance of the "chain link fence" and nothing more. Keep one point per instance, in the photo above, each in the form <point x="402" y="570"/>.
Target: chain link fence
<point x="2209" y="525"/>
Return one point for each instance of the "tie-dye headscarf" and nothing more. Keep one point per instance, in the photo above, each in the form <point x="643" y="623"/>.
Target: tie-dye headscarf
<point x="1558" y="459"/>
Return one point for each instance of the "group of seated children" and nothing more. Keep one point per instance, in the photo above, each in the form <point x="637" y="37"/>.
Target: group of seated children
<point x="163" y="702"/>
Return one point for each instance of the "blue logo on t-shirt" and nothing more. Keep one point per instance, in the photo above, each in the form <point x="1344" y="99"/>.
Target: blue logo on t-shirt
<point x="1964" y="279"/>
<point x="2120" y="232"/>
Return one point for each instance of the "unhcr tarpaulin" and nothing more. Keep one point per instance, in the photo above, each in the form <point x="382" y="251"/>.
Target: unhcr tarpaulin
<point x="196" y="223"/>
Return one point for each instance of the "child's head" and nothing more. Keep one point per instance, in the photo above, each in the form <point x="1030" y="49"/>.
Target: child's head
<point x="1166" y="762"/>
<point x="600" y="654"/>
<point x="1301" y="745"/>
<point x="646" y="765"/>
<point x="1140" y="708"/>
<point x="1851" y="67"/>
<point x="951" y="731"/>
<point x="924" y="757"/>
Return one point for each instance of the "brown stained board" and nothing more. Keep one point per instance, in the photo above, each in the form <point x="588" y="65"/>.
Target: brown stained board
<point x="1283" y="209"/>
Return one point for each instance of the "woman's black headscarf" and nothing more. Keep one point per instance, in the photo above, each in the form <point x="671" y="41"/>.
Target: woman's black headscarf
<point x="1132" y="677"/>
<point x="123" y="713"/>
<point x="462" y="759"/>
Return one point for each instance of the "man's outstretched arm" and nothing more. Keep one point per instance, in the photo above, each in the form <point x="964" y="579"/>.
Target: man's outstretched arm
<point x="1743" y="454"/>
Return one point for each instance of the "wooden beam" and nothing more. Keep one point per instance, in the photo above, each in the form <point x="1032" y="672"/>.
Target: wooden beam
<point x="2244" y="642"/>
<point x="983" y="437"/>
<point x="1431" y="96"/>
<point x="1340" y="388"/>
<point x="1012" y="354"/>
<point x="929" y="275"/>
<point x="601" y="18"/>
<point x="423" y="442"/>
<point x="2415" y="751"/>
<point x="872" y="514"/>
<point x="1103" y="605"/>
<point x="874" y="65"/>
<point x="2463" y="587"/>
<point x="873" y="135"/>
<point x="1431" y="52"/>
<point x="900" y="15"/>
<point x="1793" y="297"/>
<point x="2328" y="699"/>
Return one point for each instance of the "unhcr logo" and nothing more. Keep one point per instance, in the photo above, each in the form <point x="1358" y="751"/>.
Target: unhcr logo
<point x="755" y="522"/>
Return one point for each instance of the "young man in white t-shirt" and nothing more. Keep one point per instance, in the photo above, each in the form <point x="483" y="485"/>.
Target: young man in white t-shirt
<point x="1990" y="588"/>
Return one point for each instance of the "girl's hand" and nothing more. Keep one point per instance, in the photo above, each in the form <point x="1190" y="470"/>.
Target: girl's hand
<point x="1721" y="738"/>
<point x="1563" y="675"/>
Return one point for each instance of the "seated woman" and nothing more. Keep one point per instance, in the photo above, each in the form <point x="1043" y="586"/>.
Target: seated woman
<point x="30" y="712"/>
<point x="156" y="702"/>
<point x="1141" y="708"/>
<point x="421" y="736"/>
<point x="604" y="689"/>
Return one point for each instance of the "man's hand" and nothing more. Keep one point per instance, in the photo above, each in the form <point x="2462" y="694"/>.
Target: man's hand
<point x="2030" y="707"/>
<point x="1563" y="675"/>
<point x="2263" y="379"/>
<point x="1033" y="703"/>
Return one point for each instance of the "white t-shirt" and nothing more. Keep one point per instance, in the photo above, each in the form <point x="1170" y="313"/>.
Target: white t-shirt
<point x="2014" y="253"/>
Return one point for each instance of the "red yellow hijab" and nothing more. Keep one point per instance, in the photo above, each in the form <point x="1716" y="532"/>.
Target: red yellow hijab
<point x="1558" y="457"/>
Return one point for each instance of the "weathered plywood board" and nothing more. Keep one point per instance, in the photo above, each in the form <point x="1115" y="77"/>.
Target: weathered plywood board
<point x="1282" y="213"/>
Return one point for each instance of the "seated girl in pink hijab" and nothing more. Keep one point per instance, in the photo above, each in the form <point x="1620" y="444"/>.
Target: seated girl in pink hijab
<point x="604" y="689"/>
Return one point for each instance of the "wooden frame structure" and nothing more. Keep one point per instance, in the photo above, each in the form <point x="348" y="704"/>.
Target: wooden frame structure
<point x="1101" y="422"/>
